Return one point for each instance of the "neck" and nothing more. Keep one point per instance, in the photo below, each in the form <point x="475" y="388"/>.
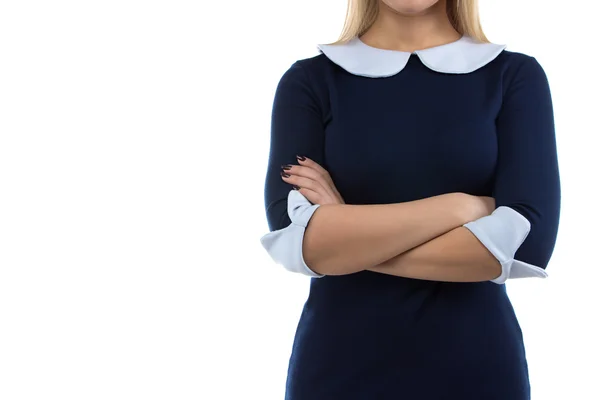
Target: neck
<point x="410" y="32"/>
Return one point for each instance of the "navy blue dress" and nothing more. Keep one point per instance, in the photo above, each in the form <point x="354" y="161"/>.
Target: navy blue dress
<point x="410" y="135"/>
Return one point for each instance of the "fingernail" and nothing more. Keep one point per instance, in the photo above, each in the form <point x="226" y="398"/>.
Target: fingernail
<point x="285" y="175"/>
<point x="296" y="187"/>
<point x="301" y="158"/>
<point x="286" y="166"/>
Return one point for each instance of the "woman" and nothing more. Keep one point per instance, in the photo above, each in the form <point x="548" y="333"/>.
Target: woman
<point x="427" y="168"/>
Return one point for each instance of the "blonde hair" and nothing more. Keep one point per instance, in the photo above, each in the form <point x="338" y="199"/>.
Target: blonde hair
<point x="361" y="14"/>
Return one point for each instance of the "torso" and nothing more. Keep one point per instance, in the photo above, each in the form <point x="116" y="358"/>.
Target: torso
<point x="372" y="336"/>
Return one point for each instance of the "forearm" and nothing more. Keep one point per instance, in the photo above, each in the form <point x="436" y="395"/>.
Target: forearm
<point x="456" y="256"/>
<point x="522" y="230"/>
<point x="342" y="239"/>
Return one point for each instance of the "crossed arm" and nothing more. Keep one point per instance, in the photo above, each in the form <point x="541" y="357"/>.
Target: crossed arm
<point x="422" y="239"/>
<point x="456" y="256"/>
<point x="445" y="238"/>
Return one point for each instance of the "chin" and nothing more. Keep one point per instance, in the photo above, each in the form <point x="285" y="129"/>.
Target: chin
<point x="409" y="7"/>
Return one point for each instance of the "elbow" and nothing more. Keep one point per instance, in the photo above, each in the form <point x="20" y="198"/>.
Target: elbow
<point x="542" y="219"/>
<point x="328" y="267"/>
<point x="316" y="266"/>
<point x="539" y="245"/>
<point x="305" y="247"/>
<point x="504" y="234"/>
<point x="536" y="251"/>
<point x="314" y="253"/>
<point x="286" y="245"/>
<point x="321" y="252"/>
<point x="495" y="269"/>
<point x="310" y="255"/>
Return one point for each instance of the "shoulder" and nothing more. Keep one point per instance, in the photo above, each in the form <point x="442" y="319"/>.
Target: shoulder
<point x="303" y="83"/>
<point x="518" y="65"/>
<point x="307" y="69"/>
<point x="309" y="76"/>
<point x="522" y="74"/>
<point x="314" y="64"/>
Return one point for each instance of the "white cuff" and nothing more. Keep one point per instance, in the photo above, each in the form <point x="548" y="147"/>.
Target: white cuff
<point x="285" y="245"/>
<point x="502" y="233"/>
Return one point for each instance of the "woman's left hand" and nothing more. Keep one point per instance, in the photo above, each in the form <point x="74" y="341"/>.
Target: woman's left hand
<point x="312" y="181"/>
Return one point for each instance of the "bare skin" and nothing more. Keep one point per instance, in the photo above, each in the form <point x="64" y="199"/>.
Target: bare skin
<point x="409" y="25"/>
<point x="422" y="239"/>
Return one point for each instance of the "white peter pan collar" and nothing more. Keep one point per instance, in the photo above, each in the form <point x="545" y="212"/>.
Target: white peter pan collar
<point x="459" y="57"/>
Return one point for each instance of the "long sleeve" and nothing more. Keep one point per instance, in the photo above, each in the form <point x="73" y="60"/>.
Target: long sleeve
<point x="296" y="129"/>
<point x="522" y="231"/>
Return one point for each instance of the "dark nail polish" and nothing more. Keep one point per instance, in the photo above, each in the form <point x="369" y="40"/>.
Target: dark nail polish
<point x="301" y="158"/>
<point x="285" y="175"/>
<point x="286" y="166"/>
<point x="296" y="187"/>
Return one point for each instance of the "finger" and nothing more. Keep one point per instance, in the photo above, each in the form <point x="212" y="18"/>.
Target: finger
<point x="307" y="162"/>
<point x="302" y="170"/>
<point x="310" y="173"/>
<point x="323" y="173"/>
<point x="313" y="171"/>
<point x="316" y="192"/>
<point x="305" y="182"/>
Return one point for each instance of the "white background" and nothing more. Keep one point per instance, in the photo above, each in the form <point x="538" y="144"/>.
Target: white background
<point x="133" y="145"/>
